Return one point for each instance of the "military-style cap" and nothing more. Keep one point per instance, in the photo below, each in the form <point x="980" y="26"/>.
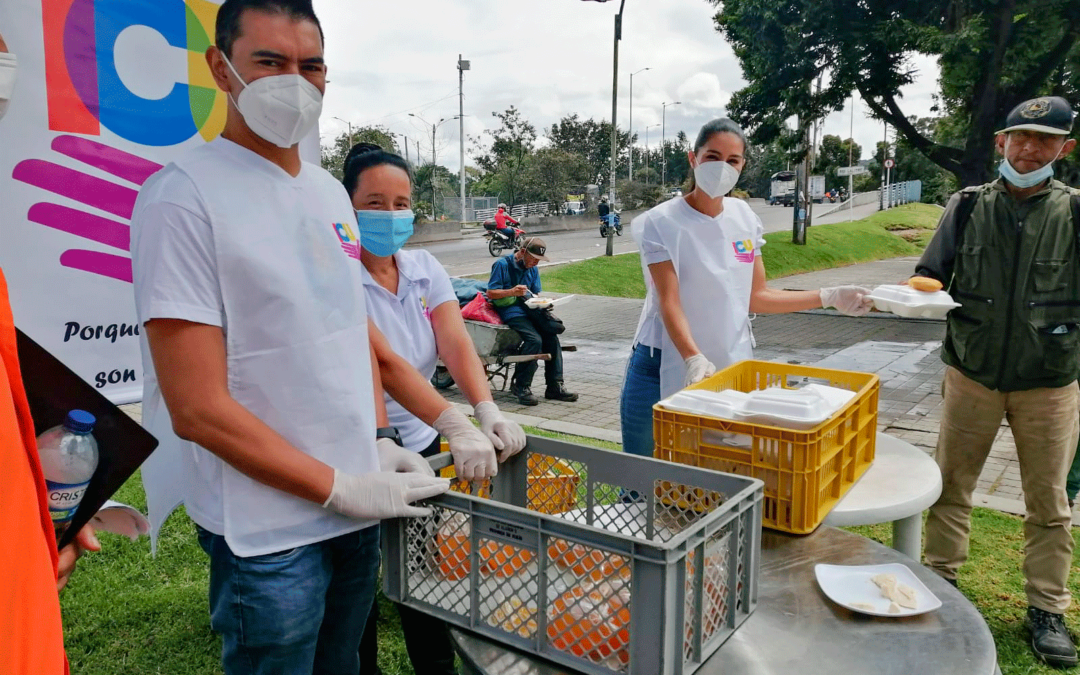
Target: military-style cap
<point x="1048" y="114"/>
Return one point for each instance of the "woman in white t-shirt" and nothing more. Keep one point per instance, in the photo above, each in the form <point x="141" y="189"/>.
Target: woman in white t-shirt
<point x="701" y="256"/>
<point x="413" y="304"/>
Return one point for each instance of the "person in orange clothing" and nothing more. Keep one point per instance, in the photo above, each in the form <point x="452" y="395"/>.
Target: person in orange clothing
<point x="31" y="570"/>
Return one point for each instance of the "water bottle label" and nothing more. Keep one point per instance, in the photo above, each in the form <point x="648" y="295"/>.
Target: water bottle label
<point x="64" y="498"/>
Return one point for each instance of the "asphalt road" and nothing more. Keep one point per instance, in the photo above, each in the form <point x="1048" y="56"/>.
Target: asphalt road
<point x="469" y="255"/>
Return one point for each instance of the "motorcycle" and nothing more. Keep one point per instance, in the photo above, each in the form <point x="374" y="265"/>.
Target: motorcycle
<point x="609" y="223"/>
<point x="499" y="242"/>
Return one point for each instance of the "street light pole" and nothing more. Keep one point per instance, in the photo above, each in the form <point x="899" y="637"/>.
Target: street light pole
<point x="462" y="67"/>
<point x="663" y="143"/>
<point x="615" y="104"/>
<point x="651" y="126"/>
<point x="434" y="128"/>
<point x="350" y="131"/>
<point x="614" y="119"/>
<point x="631" y="129"/>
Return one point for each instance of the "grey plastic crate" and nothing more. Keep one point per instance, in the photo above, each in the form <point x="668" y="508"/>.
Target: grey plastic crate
<point x="607" y="585"/>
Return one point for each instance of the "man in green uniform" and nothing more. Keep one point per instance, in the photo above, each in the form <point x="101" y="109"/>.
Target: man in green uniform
<point x="1008" y="252"/>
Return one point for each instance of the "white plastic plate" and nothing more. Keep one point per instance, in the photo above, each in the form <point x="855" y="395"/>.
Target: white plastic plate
<point x="909" y="303"/>
<point x="847" y="585"/>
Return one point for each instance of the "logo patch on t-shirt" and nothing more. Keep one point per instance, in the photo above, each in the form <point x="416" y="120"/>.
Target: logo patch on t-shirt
<point x="744" y="250"/>
<point x="349" y="242"/>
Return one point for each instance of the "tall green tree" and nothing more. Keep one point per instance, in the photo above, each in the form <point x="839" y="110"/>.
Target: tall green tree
<point x="675" y="152"/>
<point x="504" y="155"/>
<point x="832" y="155"/>
<point x="430" y="183"/>
<point x="761" y="163"/>
<point x="993" y="54"/>
<point x="333" y="155"/>
<point x="591" y="139"/>
<point x="553" y="172"/>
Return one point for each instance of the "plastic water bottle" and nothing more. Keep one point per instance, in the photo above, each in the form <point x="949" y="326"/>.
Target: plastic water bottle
<point x="69" y="456"/>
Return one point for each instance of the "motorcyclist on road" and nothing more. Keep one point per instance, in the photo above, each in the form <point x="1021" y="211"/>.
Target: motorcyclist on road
<point x="502" y="217"/>
<point x="603" y="208"/>
<point x="607" y="215"/>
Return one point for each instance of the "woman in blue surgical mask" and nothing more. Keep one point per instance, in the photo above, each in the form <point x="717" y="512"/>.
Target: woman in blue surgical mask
<point x="411" y="301"/>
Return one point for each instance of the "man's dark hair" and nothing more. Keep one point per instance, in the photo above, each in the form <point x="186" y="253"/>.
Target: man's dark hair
<point x="364" y="156"/>
<point x="227" y="29"/>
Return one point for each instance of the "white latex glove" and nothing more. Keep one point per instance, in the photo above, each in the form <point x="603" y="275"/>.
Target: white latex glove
<point x="474" y="456"/>
<point x="507" y="437"/>
<point x="395" y="459"/>
<point x="374" y="496"/>
<point x="850" y="300"/>
<point x="697" y="369"/>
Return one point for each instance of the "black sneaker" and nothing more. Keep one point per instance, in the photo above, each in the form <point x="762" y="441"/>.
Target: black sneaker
<point x="1050" y="639"/>
<point x="524" y="395"/>
<point x="559" y="393"/>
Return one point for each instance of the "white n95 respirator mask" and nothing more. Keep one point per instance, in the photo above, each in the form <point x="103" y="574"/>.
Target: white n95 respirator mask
<point x="281" y="109"/>
<point x="715" y="178"/>
<point x="8" y="66"/>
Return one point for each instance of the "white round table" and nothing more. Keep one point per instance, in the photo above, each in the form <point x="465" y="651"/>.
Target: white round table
<point x="902" y="482"/>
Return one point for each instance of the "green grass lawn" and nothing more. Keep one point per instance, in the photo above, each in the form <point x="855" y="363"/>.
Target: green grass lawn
<point x="127" y="613"/>
<point x="901" y="231"/>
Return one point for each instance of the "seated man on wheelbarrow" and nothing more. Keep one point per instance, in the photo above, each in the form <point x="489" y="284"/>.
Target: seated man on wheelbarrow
<point x="514" y="278"/>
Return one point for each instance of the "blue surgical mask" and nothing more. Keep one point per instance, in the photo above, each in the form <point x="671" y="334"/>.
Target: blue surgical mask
<point x="383" y="233"/>
<point x="1024" y="180"/>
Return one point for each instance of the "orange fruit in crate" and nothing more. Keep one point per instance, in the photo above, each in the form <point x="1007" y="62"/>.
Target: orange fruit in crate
<point x="591" y="624"/>
<point x="453" y="555"/>
<point x="584" y="561"/>
<point x="503" y="561"/>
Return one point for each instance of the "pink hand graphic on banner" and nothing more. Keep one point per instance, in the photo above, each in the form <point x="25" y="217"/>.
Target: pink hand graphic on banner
<point x="94" y="192"/>
<point x="351" y="250"/>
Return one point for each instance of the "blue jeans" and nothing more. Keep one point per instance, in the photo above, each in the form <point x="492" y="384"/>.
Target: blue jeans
<point x="641" y="391"/>
<point x="270" y="609"/>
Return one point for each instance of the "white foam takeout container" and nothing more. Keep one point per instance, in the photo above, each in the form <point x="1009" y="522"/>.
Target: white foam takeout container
<point x="798" y="409"/>
<point x="789" y="408"/>
<point x="909" y="303"/>
<point x="536" y="301"/>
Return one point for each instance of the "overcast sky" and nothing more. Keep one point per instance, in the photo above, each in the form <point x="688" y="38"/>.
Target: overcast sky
<point x="549" y="58"/>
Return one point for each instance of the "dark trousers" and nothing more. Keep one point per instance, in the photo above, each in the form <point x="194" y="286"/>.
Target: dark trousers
<point x="535" y="342"/>
<point x="427" y="638"/>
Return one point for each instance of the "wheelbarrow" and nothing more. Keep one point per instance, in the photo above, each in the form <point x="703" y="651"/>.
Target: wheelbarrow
<point x="499" y="348"/>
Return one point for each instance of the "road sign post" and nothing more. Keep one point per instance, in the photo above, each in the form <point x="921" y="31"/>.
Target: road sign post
<point x="851" y="172"/>
<point x="889" y="164"/>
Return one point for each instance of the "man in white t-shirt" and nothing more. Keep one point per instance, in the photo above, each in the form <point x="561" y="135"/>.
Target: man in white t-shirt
<point x="248" y="280"/>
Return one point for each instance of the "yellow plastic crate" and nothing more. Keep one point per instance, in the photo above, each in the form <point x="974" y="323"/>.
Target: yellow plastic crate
<point x="552" y="484"/>
<point x="805" y="472"/>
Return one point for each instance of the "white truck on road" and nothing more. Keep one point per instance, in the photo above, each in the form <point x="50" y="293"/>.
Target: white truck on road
<point x="782" y="189"/>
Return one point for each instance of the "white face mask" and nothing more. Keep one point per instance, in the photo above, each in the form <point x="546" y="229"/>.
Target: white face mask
<point x="281" y="109"/>
<point x="715" y="178"/>
<point x="8" y="64"/>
